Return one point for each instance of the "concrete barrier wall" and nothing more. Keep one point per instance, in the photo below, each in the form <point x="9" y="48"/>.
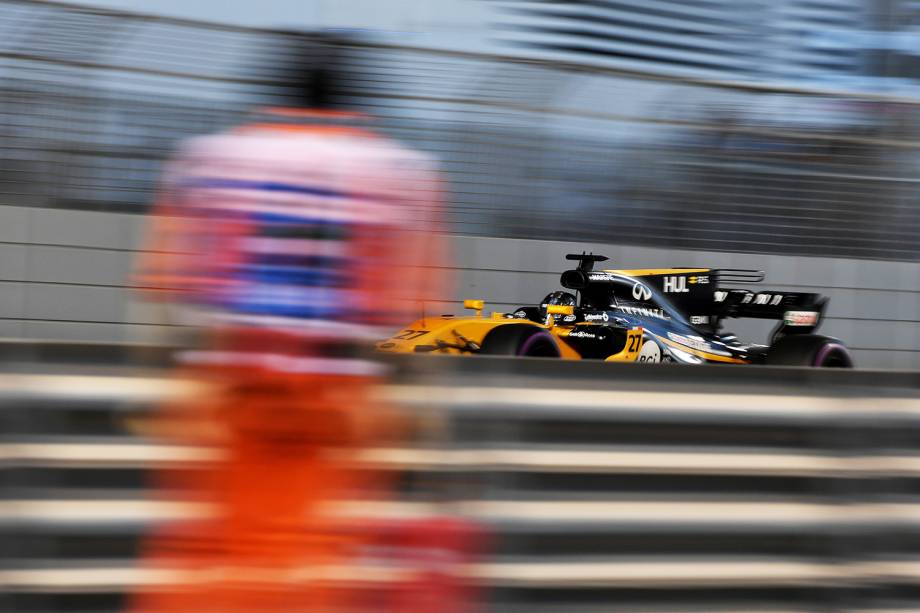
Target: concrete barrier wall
<point x="64" y="275"/>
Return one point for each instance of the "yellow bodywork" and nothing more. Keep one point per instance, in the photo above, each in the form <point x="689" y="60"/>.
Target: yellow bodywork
<point x="446" y="334"/>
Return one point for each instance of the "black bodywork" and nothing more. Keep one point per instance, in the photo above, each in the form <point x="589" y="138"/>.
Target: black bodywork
<point x="680" y="309"/>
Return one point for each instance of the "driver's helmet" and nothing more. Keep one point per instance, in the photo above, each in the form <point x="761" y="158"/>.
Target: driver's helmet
<point x="563" y="298"/>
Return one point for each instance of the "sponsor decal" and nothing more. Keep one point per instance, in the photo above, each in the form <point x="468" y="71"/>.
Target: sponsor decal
<point x="682" y="357"/>
<point x="597" y="316"/>
<point x="643" y="311"/>
<point x="581" y="334"/>
<point x="696" y="342"/>
<point x="640" y="292"/>
<point x="675" y="285"/>
<point x="699" y="319"/>
<point x="800" y="318"/>
<point x="701" y="280"/>
<point x="568" y="318"/>
<point x="633" y="342"/>
<point x="747" y="298"/>
<point x="520" y="314"/>
<point x="720" y="296"/>
<point x="601" y="276"/>
<point x="409" y="335"/>
<point x="768" y="299"/>
<point x="650" y="352"/>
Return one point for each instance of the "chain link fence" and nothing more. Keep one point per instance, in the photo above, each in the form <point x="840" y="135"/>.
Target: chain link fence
<point x="92" y="101"/>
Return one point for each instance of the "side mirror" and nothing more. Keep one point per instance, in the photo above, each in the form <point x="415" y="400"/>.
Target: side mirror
<point x="476" y="305"/>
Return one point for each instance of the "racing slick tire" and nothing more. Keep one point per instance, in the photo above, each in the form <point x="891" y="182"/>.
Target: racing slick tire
<point x="809" y="350"/>
<point x="522" y="341"/>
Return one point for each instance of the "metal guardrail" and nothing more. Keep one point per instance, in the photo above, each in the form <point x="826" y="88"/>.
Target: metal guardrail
<point x="652" y="488"/>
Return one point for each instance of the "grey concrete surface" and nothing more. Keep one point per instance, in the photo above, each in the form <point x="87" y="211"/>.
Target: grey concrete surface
<point x="66" y="275"/>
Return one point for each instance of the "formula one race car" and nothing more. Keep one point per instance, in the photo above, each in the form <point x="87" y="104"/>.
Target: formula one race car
<point x="649" y="315"/>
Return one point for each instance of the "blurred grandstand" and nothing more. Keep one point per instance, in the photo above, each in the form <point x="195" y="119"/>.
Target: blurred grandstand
<point x="93" y="100"/>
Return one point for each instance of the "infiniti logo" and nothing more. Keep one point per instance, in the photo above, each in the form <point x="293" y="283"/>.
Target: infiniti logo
<point x="640" y="292"/>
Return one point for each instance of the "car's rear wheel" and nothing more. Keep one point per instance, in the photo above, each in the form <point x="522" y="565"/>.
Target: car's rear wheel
<point x="520" y="340"/>
<point x="809" y="350"/>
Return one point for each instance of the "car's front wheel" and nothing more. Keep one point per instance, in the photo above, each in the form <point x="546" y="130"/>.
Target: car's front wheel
<point x="809" y="350"/>
<point x="520" y="340"/>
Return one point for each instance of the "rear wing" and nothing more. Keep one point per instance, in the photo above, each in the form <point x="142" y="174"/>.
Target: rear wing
<point x="706" y="296"/>
<point x="765" y="305"/>
<point x="802" y="311"/>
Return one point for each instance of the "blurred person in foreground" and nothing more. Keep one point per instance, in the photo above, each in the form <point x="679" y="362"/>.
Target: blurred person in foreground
<point x="295" y="239"/>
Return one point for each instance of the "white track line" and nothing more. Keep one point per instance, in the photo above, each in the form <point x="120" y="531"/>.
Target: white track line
<point x="642" y="400"/>
<point x="152" y="389"/>
<point x="647" y="461"/>
<point x="102" y="454"/>
<point x="667" y="572"/>
<point x="81" y="387"/>
<point x="687" y="513"/>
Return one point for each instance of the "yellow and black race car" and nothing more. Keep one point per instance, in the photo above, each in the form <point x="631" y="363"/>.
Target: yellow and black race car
<point x="645" y="315"/>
